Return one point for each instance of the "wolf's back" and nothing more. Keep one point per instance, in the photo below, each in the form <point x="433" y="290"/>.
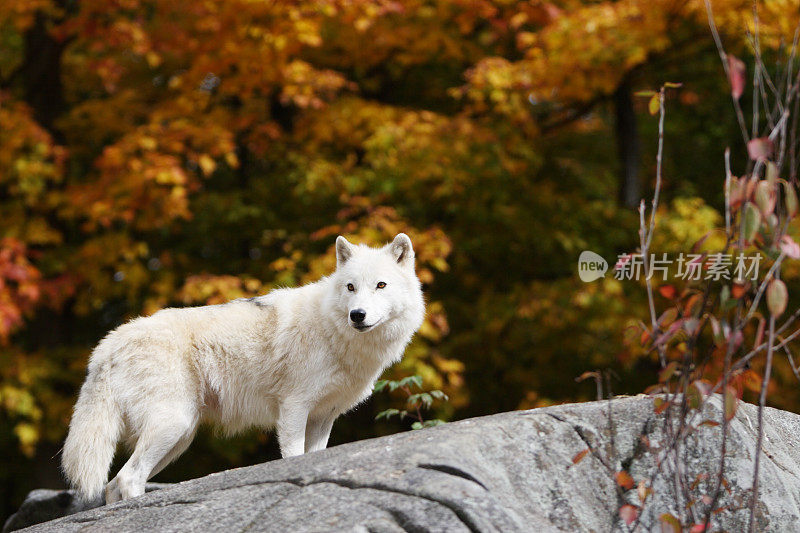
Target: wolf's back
<point x="93" y="433"/>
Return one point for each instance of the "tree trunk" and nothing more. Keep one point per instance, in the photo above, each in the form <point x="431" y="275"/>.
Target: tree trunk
<point x="630" y="188"/>
<point x="41" y="73"/>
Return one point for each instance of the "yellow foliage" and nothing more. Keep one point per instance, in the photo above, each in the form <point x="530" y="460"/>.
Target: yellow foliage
<point x="206" y="151"/>
<point x="585" y="49"/>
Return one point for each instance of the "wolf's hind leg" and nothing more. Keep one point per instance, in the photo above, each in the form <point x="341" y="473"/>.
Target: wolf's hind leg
<point x="173" y="454"/>
<point x="162" y="440"/>
<point x="317" y="433"/>
<point x="112" y="491"/>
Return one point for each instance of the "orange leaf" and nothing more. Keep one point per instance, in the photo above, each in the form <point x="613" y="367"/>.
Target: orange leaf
<point x="579" y="456"/>
<point x="739" y="289"/>
<point x="624" y="479"/>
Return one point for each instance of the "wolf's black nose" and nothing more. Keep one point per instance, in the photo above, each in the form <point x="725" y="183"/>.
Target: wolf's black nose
<point x="358" y="315"/>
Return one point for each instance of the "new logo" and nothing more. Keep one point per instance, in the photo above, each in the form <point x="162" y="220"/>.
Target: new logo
<point x="591" y="266"/>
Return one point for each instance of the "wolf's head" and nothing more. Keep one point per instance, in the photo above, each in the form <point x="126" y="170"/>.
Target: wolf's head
<point x="375" y="288"/>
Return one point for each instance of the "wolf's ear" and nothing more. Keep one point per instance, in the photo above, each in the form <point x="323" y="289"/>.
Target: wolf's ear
<point x="402" y="250"/>
<point x="343" y="250"/>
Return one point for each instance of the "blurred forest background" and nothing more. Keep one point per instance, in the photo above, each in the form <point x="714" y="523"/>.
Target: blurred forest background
<point x="164" y="153"/>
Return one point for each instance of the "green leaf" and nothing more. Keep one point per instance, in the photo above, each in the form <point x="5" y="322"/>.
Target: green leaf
<point x="669" y="523"/>
<point x="427" y="399"/>
<point x="673" y="85"/>
<point x="790" y="199"/>
<point x="433" y="423"/>
<point x="411" y="380"/>
<point x="647" y="94"/>
<point x="667" y="372"/>
<point x="731" y="403"/>
<point x="659" y="405"/>
<point x="422" y="398"/>
<point x="439" y="395"/>
<point x="777" y="297"/>
<point x="693" y="397"/>
<point x="772" y="172"/>
<point x="380" y="385"/>
<point x="417" y="425"/>
<point x="386" y="414"/>
<point x="751" y="222"/>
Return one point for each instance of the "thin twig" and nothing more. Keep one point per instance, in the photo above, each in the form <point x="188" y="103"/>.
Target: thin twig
<point x="728" y="177"/>
<point x="724" y="57"/>
<point x="762" y="400"/>
<point x="763" y="287"/>
<point x="659" y="165"/>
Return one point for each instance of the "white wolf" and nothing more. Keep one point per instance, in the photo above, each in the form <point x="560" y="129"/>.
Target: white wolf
<point x="293" y="359"/>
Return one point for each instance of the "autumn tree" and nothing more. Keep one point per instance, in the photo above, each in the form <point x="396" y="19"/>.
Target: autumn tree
<point x="584" y="54"/>
<point x="159" y="153"/>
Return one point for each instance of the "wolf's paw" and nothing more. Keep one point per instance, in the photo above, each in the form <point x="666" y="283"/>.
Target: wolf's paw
<point x="112" y="491"/>
<point x="129" y="486"/>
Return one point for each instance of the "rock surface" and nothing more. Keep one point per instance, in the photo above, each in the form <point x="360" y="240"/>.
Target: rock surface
<point x="42" y="505"/>
<point x="508" y="472"/>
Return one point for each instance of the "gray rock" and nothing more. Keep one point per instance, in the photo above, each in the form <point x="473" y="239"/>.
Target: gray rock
<point x="508" y="472"/>
<point x="42" y="505"/>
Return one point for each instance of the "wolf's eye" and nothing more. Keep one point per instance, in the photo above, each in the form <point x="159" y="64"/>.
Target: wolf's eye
<point x="381" y="284"/>
<point x="350" y="287"/>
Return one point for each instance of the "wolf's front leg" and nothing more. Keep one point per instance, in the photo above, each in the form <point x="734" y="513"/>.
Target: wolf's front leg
<point x="292" y="428"/>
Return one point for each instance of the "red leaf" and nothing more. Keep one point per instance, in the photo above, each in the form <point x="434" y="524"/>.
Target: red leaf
<point x="760" y="148"/>
<point x="735" y="338"/>
<point x="622" y="260"/>
<point x="736" y="72"/>
<point x="667" y="291"/>
<point x="697" y="528"/>
<point x="628" y="513"/>
<point x="789" y="247"/>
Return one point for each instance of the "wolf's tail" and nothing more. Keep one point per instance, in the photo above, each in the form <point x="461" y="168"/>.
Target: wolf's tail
<point x="93" y="434"/>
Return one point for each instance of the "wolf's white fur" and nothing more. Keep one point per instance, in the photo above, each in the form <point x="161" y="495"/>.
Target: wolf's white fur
<point x="291" y="359"/>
